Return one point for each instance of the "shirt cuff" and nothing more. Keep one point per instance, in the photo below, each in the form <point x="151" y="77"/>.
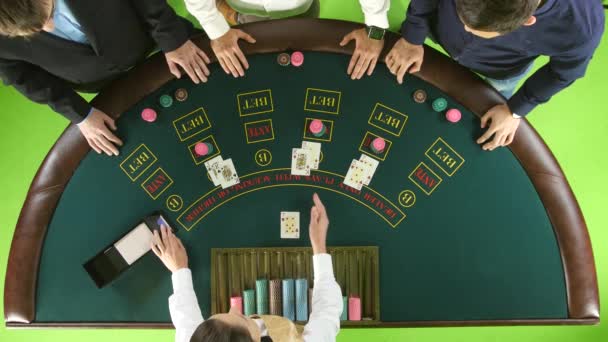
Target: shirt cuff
<point x="87" y="116"/>
<point x="518" y="104"/>
<point x="413" y="34"/>
<point x="323" y="268"/>
<point x="216" y="27"/>
<point x="378" y="20"/>
<point x="182" y="280"/>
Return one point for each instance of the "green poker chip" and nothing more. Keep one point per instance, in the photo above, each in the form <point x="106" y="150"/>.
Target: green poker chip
<point x="440" y="104"/>
<point x="166" y="101"/>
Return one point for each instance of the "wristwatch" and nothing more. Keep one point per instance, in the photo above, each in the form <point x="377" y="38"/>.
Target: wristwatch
<point x="375" y="32"/>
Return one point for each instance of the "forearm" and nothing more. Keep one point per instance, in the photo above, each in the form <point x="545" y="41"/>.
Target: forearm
<point x="209" y="17"/>
<point x="416" y="26"/>
<point x="376" y="12"/>
<point x="168" y="30"/>
<point x="183" y="305"/>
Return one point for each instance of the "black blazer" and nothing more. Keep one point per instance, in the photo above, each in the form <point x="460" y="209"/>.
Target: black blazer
<point x="46" y="68"/>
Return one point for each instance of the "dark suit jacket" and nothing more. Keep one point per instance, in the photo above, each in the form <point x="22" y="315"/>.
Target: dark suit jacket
<point x="46" y="68"/>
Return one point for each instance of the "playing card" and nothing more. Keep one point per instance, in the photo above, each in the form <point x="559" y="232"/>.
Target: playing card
<point x="213" y="168"/>
<point x="300" y="162"/>
<point x="372" y="165"/>
<point x="315" y="152"/>
<point x="228" y="176"/>
<point x="355" y="175"/>
<point x="290" y="225"/>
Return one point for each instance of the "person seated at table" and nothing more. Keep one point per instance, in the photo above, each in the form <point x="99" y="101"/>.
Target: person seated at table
<point x="323" y="324"/>
<point x="216" y="21"/>
<point x="49" y="49"/>
<point x="500" y="40"/>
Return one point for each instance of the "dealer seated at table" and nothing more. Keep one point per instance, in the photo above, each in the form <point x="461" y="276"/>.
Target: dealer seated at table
<point x="323" y="324"/>
<point x="500" y="40"/>
<point x="49" y="49"/>
<point x="215" y="20"/>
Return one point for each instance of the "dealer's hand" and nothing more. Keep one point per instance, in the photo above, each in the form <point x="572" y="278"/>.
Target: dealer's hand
<point x="365" y="55"/>
<point x="169" y="249"/>
<point x="404" y="57"/>
<point x="192" y="59"/>
<point x="502" y="125"/>
<point x="95" y="129"/>
<point x="228" y="52"/>
<point x="319" y="223"/>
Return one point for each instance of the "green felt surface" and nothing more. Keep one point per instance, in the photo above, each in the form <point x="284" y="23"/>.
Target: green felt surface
<point x="456" y="267"/>
<point x="573" y="124"/>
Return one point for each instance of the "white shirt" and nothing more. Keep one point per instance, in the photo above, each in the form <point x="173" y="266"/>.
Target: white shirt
<point x="323" y="323"/>
<point x="214" y="24"/>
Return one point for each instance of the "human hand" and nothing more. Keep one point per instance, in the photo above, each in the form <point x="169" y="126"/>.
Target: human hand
<point x="95" y="130"/>
<point x="192" y="59"/>
<point x="169" y="249"/>
<point x="319" y="223"/>
<point x="502" y="125"/>
<point x="404" y="57"/>
<point x="228" y="52"/>
<point x="365" y="55"/>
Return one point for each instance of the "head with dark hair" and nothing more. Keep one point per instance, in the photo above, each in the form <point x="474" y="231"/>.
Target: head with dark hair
<point x="491" y="18"/>
<point x="228" y="327"/>
<point x="25" y="17"/>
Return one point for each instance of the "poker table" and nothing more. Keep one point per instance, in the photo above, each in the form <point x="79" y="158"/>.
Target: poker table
<point x="465" y="236"/>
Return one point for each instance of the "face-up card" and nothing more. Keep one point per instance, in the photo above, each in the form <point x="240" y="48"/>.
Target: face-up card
<point x="315" y="152"/>
<point x="372" y="165"/>
<point x="290" y="225"/>
<point x="355" y="175"/>
<point x="213" y="168"/>
<point x="228" y="176"/>
<point x="300" y="162"/>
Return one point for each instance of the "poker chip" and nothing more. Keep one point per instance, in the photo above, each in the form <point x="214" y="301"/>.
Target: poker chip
<point x="297" y="58"/>
<point x="203" y="149"/>
<point x="440" y="104"/>
<point x="317" y="128"/>
<point x="419" y="96"/>
<point x="149" y="115"/>
<point x="166" y="101"/>
<point x="453" y="115"/>
<point x="283" y="59"/>
<point x="378" y="145"/>
<point x="181" y="94"/>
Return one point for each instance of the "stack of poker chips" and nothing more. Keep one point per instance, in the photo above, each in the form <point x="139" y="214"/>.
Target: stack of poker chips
<point x="301" y="299"/>
<point x="261" y="290"/>
<point x="317" y="128"/>
<point x="377" y="145"/>
<point x="344" y="315"/>
<point x="289" y="299"/>
<point x="275" y="297"/>
<point x="237" y="302"/>
<point x="354" y="308"/>
<point x="249" y="302"/>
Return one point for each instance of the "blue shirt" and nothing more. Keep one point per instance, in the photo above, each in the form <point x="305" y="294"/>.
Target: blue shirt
<point x="66" y="25"/>
<point x="568" y="31"/>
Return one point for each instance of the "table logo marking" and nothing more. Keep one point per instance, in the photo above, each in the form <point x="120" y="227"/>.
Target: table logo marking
<point x="445" y="157"/>
<point x="174" y="203"/>
<point x="407" y="198"/>
<point x="388" y="119"/>
<point x="157" y="183"/>
<point x="137" y="162"/>
<point x="322" y="101"/>
<point x="191" y="124"/>
<point x="255" y="102"/>
<point x="425" y="178"/>
<point x="329" y="124"/>
<point x="367" y="140"/>
<point x="273" y="178"/>
<point x="263" y="157"/>
<point x="258" y="131"/>
<point x="201" y="159"/>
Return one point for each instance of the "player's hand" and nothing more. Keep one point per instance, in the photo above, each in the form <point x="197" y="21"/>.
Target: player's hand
<point x="502" y="125"/>
<point x="319" y="223"/>
<point x="228" y="52"/>
<point x="366" y="53"/>
<point x="95" y="129"/>
<point x="192" y="59"/>
<point x="404" y="57"/>
<point x="169" y="249"/>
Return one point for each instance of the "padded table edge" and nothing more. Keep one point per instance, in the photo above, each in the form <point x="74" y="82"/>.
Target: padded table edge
<point x="307" y="35"/>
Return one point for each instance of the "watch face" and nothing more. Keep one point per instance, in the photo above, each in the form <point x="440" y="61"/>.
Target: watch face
<point x="375" y="32"/>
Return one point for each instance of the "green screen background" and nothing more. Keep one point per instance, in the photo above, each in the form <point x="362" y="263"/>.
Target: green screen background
<point x="574" y="125"/>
